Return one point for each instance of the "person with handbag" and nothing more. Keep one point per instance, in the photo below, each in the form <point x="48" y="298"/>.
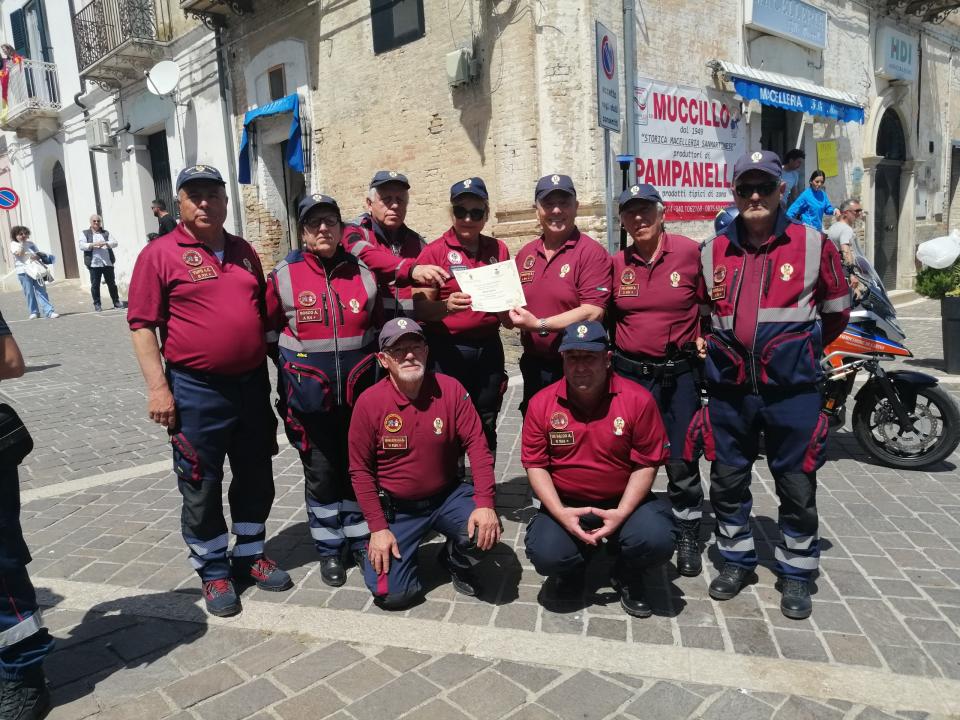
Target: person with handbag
<point x="97" y="246"/>
<point x="24" y="641"/>
<point x="31" y="271"/>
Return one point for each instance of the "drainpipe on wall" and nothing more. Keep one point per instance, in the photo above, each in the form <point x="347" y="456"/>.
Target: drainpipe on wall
<point x="86" y="116"/>
<point x="228" y="129"/>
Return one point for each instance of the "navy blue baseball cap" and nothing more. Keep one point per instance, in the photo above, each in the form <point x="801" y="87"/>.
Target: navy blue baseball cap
<point x="395" y="329"/>
<point x="643" y="191"/>
<point x="199" y="172"/>
<point x="586" y="335"/>
<point x="763" y="160"/>
<point x="548" y="183"/>
<point x="388" y="176"/>
<point x="311" y="201"/>
<point x="470" y="186"/>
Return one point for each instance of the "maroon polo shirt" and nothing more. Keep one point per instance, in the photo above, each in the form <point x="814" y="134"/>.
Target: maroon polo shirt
<point x="657" y="302"/>
<point x="590" y="457"/>
<point x="577" y="274"/>
<point x="447" y="252"/>
<point x="209" y="313"/>
<point x="411" y="446"/>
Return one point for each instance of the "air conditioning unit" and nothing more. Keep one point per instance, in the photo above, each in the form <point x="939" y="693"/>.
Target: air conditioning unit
<point x="99" y="136"/>
<point x="459" y="65"/>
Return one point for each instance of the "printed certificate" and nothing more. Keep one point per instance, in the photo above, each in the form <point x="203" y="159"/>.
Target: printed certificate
<point x="492" y="288"/>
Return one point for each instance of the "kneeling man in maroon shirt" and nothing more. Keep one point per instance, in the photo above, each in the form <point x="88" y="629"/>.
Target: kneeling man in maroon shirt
<point x="406" y="435"/>
<point x="592" y="443"/>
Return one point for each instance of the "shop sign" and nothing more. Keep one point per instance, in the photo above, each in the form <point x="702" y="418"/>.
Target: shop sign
<point x="689" y="139"/>
<point x="896" y="54"/>
<point x="791" y="19"/>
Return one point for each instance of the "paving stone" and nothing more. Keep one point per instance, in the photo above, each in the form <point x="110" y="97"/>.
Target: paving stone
<point x="800" y="645"/>
<point x="584" y="697"/>
<point x="394" y="699"/>
<point x="665" y="701"/>
<point x="908" y="660"/>
<point x="451" y="670"/>
<point x="701" y="637"/>
<point x="796" y="708"/>
<point x="739" y="705"/>
<point x="517" y="616"/>
<point x="533" y="677"/>
<point x="205" y="684"/>
<point x="214" y="646"/>
<point x="936" y="631"/>
<point x="241" y="702"/>
<point x="751" y="637"/>
<point x="436" y="710"/>
<point x="568" y="623"/>
<point x="947" y="657"/>
<point x="879" y="622"/>
<point x="533" y="712"/>
<point x="73" y="702"/>
<point x="150" y="705"/>
<point x="308" y="669"/>
<point x="402" y="660"/>
<point x="361" y="679"/>
<point x="487" y="696"/>
<point x="610" y="628"/>
<point x="852" y="649"/>
<point x="150" y="635"/>
<point x="318" y="702"/>
<point x="347" y="599"/>
<point x="131" y="681"/>
<point x="264" y="657"/>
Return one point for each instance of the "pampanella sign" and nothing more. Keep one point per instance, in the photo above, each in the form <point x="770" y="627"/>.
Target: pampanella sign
<point x="791" y="19"/>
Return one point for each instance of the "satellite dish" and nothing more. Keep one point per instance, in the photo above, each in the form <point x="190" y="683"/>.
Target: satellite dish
<point x="163" y="77"/>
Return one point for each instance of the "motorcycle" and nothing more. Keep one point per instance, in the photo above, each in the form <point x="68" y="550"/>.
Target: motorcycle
<point x="903" y="418"/>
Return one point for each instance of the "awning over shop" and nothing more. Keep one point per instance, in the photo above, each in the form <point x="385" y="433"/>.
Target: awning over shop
<point x="288" y="104"/>
<point x="790" y="93"/>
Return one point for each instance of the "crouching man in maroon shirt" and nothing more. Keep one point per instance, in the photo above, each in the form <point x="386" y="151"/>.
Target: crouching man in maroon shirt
<point x="592" y="443"/>
<point x="406" y="435"/>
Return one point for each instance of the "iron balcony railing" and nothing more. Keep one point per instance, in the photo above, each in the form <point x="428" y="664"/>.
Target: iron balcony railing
<point x="104" y="25"/>
<point x="33" y="85"/>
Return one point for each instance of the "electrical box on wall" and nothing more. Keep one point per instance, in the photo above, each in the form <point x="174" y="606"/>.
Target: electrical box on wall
<point x="99" y="136"/>
<point x="459" y="67"/>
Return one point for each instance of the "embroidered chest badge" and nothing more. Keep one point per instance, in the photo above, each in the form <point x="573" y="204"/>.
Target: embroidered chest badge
<point x="674" y="279"/>
<point x="454" y="257"/>
<point x="528" y="262"/>
<point x="786" y="271"/>
<point x="393" y="423"/>
<point x="618" y="425"/>
<point x="564" y="269"/>
<point x="628" y="276"/>
<point x="720" y="274"/>
<point x="307" y="298"/>
<point x="438" y="426"/>
<point x="559" y="420"/>
<point x="354" y="306"/>
<point x="192" y="258"/>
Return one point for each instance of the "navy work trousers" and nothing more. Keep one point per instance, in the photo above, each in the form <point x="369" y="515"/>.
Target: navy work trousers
<point x="23" y="640"/>
<point x="223" y="416"/>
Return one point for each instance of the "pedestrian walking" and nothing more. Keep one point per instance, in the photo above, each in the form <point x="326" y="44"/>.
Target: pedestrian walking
<point x="203" y="290"/>
<point x="97" y="246"/>
<point x="655" y="316"/>
<point x="165" y="221"/>
<point x="566" y="278"/>
<point x="813" y="203"/>
<point x="31" y="271"/>
<point x="323" y="310"/>
<point x="465" y="344"/>
<point x="778" y="296"/>
<point x="405" y="436"/>
<point x="24" y="641"/>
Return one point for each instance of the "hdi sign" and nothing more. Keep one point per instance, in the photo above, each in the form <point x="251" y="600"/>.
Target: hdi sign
<point x="896" y="55"/>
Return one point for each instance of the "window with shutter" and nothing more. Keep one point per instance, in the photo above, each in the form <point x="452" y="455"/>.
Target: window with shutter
<point x="18" y="26"/>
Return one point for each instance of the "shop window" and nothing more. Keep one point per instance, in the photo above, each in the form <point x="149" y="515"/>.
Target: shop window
<point x="277" y="81"/>
<point x="396" y="23"/>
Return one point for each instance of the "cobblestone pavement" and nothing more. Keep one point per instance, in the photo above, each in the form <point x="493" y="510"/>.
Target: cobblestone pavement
<point x="101" y="512"/>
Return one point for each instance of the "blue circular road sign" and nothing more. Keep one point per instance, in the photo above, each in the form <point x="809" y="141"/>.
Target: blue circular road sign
<point x="8" y="198"/>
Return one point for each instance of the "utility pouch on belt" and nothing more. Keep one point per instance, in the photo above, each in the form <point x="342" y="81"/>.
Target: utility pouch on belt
<point x="15" y="440"/>
<point x="386" y="502"/>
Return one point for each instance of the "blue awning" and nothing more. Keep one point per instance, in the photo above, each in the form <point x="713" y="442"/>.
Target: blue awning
<point x="791" y="93"/>
<point x="288" y="104"/>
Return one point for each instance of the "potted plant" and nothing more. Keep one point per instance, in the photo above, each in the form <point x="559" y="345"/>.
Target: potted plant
<point x="943" y="284"/>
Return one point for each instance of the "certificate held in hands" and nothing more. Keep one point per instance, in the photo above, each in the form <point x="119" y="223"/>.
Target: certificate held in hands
<point x="492" y="288"/>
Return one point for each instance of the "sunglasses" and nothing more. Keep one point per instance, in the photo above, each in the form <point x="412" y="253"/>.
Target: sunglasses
<point x="314" y="224"/>
<point x="461" y="213"/>
<point x="746" y="190"/>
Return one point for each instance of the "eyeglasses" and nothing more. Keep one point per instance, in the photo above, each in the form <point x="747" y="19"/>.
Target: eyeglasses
<point x="313" y="224"/>
<point x="399" y="352"/>
<point x="475" y="214"/>
<point x="746" y="190"/>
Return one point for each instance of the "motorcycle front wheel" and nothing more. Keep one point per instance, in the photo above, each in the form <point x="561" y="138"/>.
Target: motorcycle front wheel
<point x="936" y="433"/>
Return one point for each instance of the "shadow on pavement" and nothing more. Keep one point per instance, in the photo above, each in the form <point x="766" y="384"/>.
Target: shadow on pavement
<point x="40" y="368"/>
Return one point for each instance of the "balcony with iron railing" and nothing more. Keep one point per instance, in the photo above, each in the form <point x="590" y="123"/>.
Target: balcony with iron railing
<point x="118" y="39"/>
<point x="33" y="99"/>
<point x="215" y="12"/>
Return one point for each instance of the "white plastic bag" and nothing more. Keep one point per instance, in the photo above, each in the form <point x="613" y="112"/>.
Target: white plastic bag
<point x="36" y="270"/>
<point x="940" y="252"/>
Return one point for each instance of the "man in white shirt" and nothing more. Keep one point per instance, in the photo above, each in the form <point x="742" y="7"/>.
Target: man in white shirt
<point x="792" y="162"/>
<point x="841" y="232"/>
<point x="97" y="246"/>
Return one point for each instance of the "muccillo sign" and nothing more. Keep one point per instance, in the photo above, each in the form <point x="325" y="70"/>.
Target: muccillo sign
<point x="688" y="140"/>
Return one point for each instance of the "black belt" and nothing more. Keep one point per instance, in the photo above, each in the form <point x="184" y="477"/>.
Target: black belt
<point x="650" y="368"/>
<point x="216" y="377"/>
<point x="419" y="506"/>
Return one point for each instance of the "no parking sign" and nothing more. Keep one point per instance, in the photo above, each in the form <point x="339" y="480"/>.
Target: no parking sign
<point x="8" y="198"/>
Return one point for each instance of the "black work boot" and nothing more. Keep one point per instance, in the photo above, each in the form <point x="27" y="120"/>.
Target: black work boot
<point x="632" y="597"/>
<point x="689" y="561"/>
<point x="332" y="571"/>
<point x="26" y="698"/>
<point x="795" y="602"/>
<point x="463" y="579"/>
<point x="729" y="582"/>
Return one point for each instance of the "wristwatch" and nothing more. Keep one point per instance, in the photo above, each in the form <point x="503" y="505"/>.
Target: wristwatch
<point x="542" y="327"/>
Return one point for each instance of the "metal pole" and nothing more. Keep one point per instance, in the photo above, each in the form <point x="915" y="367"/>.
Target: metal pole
<point x="630" y="79"/>
<point x="608" y="174"/>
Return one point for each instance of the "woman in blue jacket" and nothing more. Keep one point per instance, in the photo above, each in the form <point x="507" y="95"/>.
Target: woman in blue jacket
<point x="813" y="203"/>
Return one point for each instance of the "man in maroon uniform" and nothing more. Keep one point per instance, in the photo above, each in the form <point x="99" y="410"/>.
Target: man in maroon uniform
<point x="405" y="437"/>
<point x="591" y="446"/>
<point x="566" y="278"/>
<point x="203" y="290"/>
